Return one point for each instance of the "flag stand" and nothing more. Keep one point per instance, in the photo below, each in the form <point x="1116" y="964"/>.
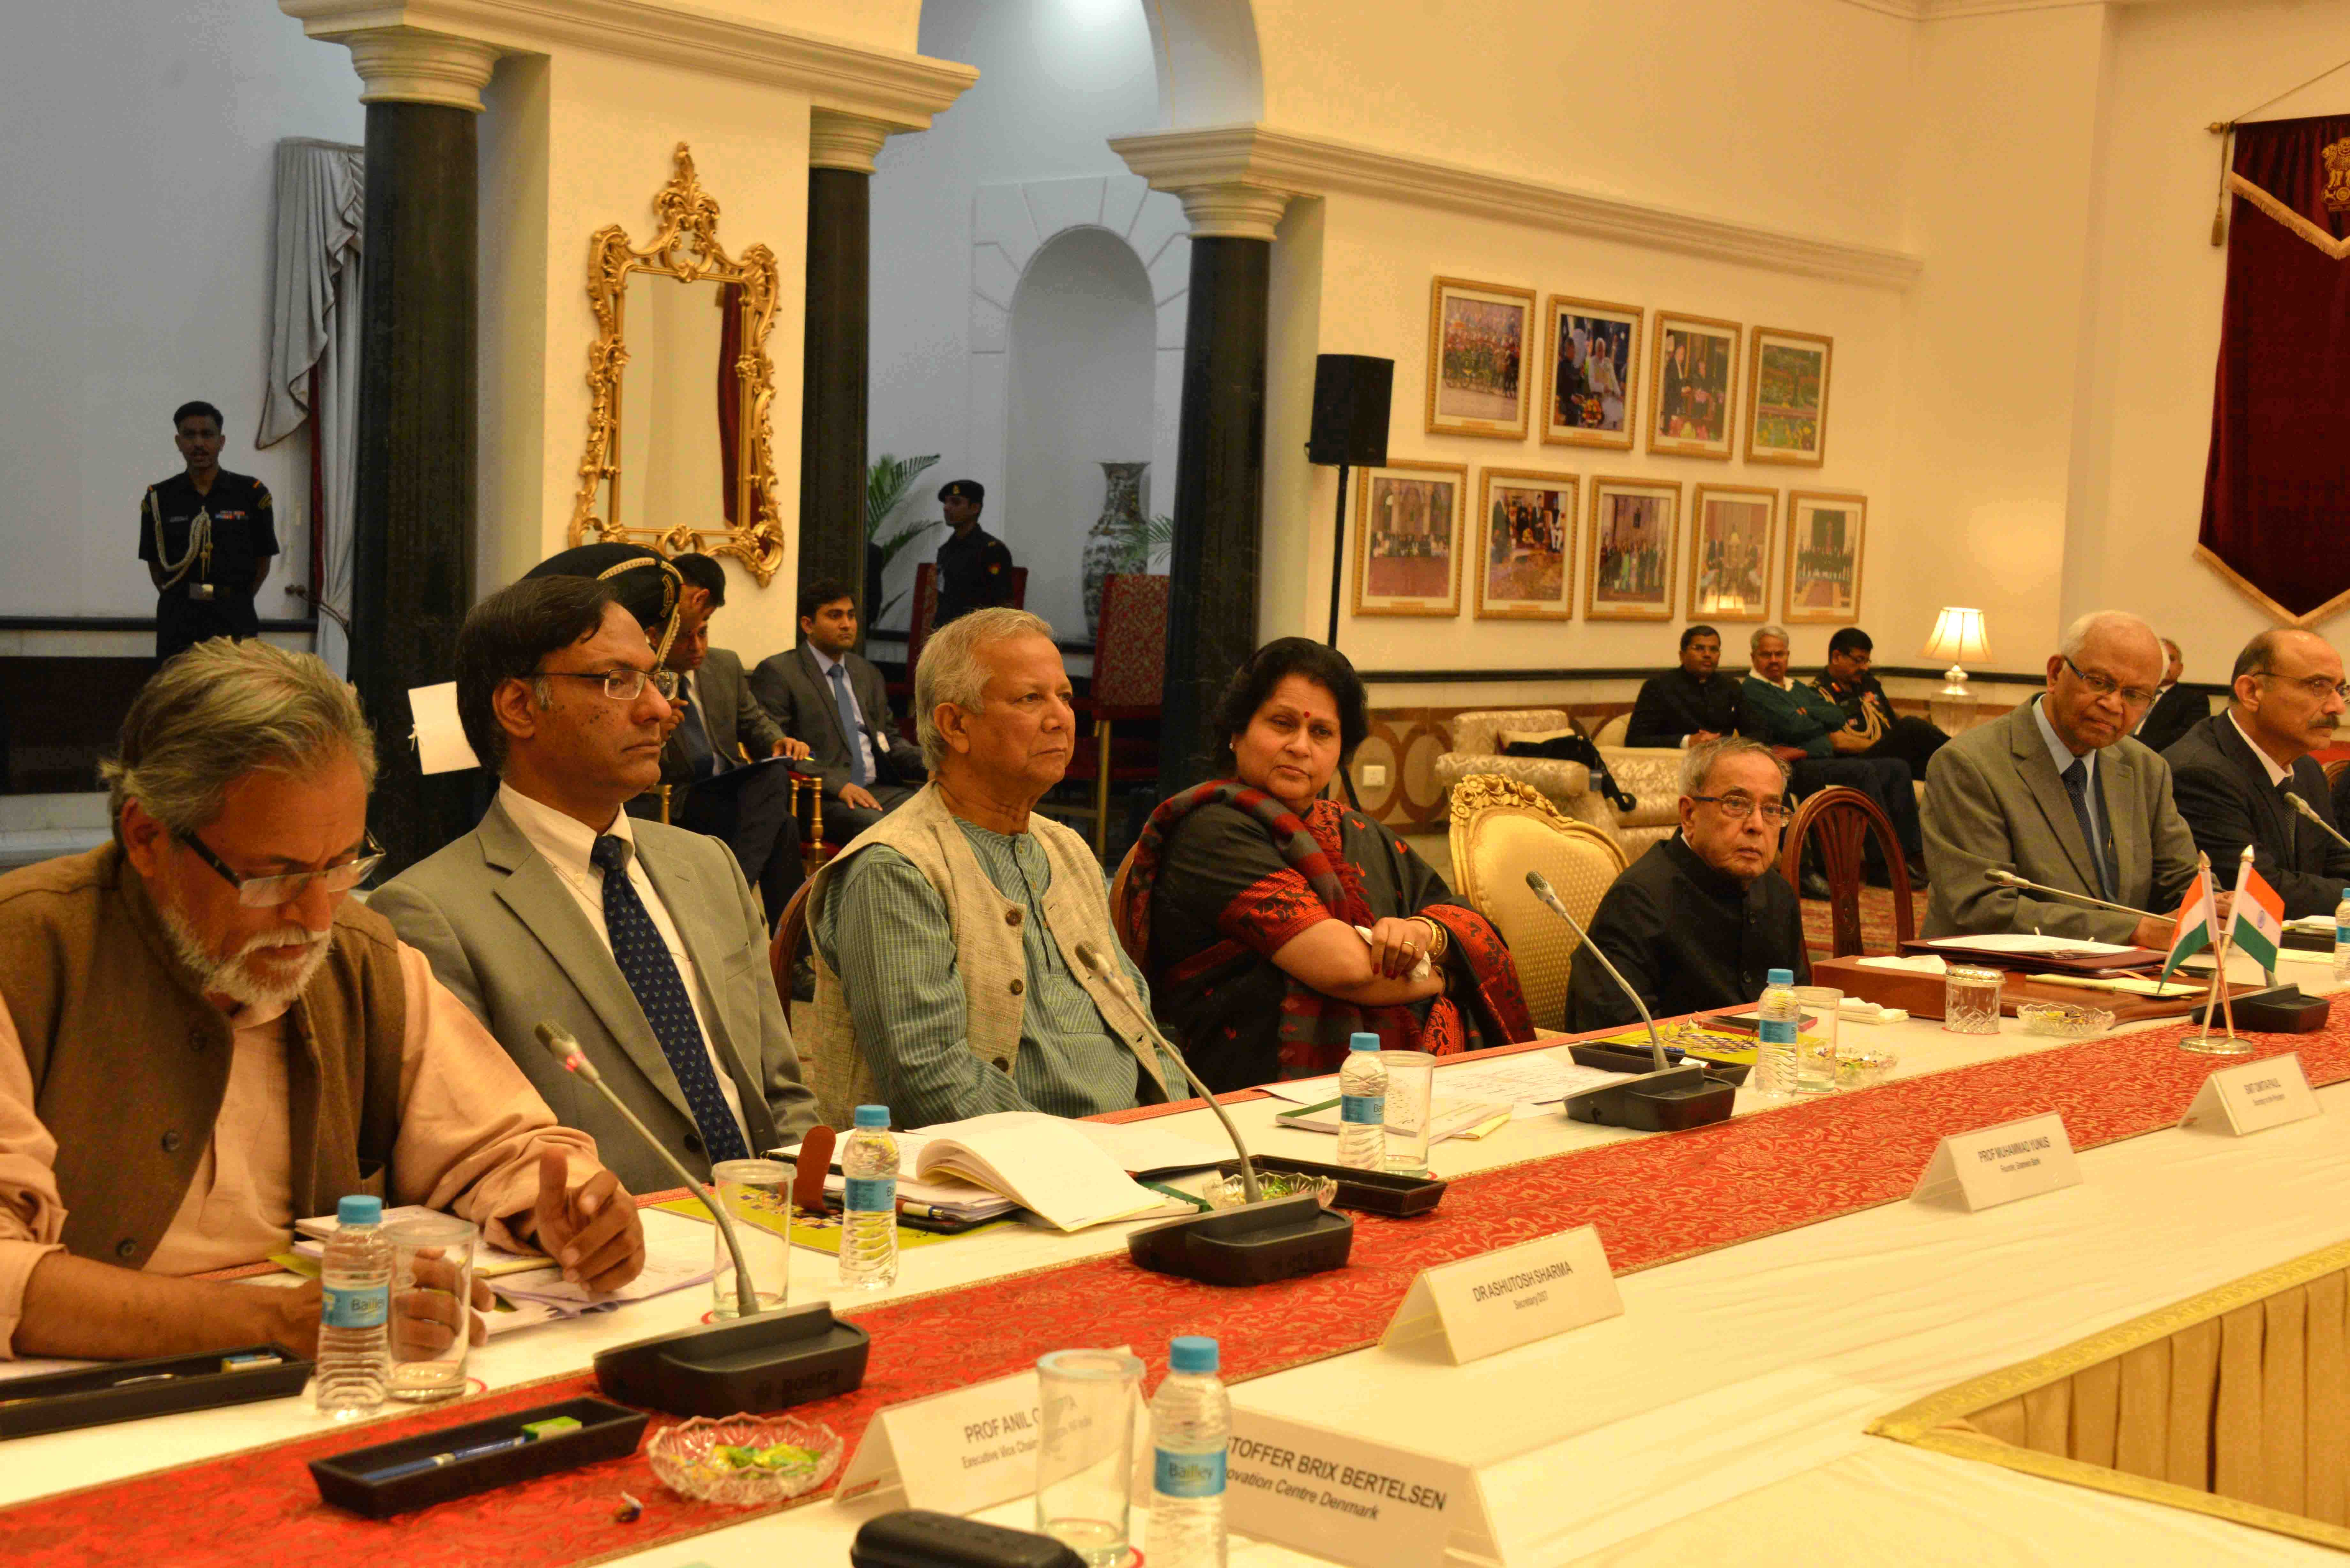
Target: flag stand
<point x="2220" y="996"/>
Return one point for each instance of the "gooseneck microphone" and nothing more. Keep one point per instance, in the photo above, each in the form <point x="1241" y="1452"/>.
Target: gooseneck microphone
<point x="566" y="1050"/>
<point x="2310" y="812"/>
<point x="1542" y="890"/>
<point x="2010" y="880"/>
<point x="1109" y="975"/>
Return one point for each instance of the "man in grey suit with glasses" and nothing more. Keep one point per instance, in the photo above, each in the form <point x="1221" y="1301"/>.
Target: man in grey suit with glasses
<point x="2058" y="792"/>
<point x="642" y="940"/>
<point x="827" y="694"/>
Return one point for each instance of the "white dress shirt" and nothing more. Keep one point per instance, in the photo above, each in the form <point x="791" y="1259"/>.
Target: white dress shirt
<point x="824" y="663"/>
<point x="563" y="842"/>
<point x="2277" y="776"/>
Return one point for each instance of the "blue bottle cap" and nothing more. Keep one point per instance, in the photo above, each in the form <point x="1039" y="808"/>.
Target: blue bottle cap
<point x="1779" y="977"/>
<point x="873" y="1116"/>
<point x="360" y="1210"/>
<point x="1362" y="1043"/>
<point x="1192" y="1351"/>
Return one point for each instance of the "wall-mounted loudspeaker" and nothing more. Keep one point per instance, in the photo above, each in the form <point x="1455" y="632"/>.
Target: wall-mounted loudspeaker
<point x="1351" y="393"/>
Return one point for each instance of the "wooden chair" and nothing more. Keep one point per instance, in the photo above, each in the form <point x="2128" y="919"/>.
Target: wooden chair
<point x="1118" y="920"/>
<point x="1129" y="676"/>
<point x="784" y="954"/>
<point x="1838" y="820"/>
<point x="1502" y="829"/>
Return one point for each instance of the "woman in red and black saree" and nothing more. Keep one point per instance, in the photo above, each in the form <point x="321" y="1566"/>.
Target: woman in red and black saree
<point x="1275" y="924"/>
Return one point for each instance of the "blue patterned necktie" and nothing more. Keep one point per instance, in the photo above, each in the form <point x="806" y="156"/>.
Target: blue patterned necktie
<point x="645" y="964"/>
<point x="848" y="706"/>
<point x="694" y="739"/>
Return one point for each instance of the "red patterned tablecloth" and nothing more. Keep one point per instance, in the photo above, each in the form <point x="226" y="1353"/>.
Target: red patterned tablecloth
<point x="1654" y="1199"/>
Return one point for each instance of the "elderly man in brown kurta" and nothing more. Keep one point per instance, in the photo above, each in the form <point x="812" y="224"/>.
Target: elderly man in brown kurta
<point x="201" y="1039"/>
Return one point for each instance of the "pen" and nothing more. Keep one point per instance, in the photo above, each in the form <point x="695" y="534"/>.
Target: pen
<point x="924" y="1211"/>
<point x="455" y="1456"/>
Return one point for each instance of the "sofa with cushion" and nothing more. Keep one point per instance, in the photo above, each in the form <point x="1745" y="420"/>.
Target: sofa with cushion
<point x="1480" y="739"/>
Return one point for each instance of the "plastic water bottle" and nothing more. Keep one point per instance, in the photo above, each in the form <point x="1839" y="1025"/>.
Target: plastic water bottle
<point x="2342" y="938"/>
<point x="1190" y="1425"/>
<point x="1781" y="1018"/>
<point x="1363" y="1106"/>
<point x="868" y="1223"/>
<point x="355" y="1311"/>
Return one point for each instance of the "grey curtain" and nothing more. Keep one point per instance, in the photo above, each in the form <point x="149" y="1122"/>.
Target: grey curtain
<point x="314" y="350"/>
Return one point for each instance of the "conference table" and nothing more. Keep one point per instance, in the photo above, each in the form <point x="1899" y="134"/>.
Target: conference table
<point x="1720" y="1418"/>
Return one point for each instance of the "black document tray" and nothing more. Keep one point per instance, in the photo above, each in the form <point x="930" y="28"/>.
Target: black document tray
<point x="95" y="1396"/>
<point x="606" y="1431"/>
<point x="1391" y="1193"/>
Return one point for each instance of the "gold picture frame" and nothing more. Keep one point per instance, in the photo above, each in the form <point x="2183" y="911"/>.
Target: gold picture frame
<point x="1392" y="564"/>
<point x="1636" y="584"/>
<point x="1481" y="338"/>
<point x="1594" y="318"/>
<point x="1826" y="533"/>
<point x="1730" y="571"/>
<point x="686" y="248"/>
<point x="1792" y="426"/>
<point x="1693" y="386"/>
<point x="1542" y="530"/>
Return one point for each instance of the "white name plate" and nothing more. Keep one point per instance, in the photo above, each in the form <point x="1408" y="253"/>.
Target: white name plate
<point x="2253" y="1097"/>
<point x="1999" y="1165"/>
<point x="1497" y="1300"/>
<point x="956" y="1452"/>
<point x="1352" y="1501"/>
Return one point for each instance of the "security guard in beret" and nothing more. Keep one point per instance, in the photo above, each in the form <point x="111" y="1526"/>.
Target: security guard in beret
<point x="974" y="568"/>
<point x="206" y="535"/>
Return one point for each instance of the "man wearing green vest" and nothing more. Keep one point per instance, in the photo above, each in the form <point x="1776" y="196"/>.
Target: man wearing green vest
<point x="203" y="1039"/>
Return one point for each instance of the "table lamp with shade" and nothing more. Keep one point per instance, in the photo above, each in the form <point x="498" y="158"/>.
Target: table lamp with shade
<point x="1958" y="636"/>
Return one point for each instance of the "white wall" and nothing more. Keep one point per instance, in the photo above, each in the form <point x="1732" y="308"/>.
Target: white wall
<point x="140" y="136"/>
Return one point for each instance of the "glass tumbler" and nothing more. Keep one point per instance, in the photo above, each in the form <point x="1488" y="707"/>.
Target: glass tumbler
<point x="1816" y="1044"/>
<point x="1085" y="1459"/>
<point x="1411" y="1096"/>
<point x="757" y="1194"/>
<point x="431" y="1306"/>
<point x="1971" y="1000"/>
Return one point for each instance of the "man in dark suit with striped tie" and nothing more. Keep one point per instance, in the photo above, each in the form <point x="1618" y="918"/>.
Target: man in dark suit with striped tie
<point x="826" y="693"/>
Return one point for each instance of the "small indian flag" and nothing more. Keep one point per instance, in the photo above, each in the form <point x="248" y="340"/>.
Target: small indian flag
<point x="2193" y="923"/>
<point x="2256" y="925"/>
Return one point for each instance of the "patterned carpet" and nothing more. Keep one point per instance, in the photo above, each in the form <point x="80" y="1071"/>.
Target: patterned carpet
<point x="1876" y="921"/>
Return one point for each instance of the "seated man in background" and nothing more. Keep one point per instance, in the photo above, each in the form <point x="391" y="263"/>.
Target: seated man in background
<point x="2175" y="710"/>
<point x="2057" y="792"/>
<point x="1690" y="705"/>
<point x="2229" y="774"/>
<point x="1847" y="683"/>
<point x="721" y="727"/>
<point x="1698" y="922"/>
<point x="825" y="690"/>
<point x="642" y="941"/>
<point x="965" y="962"/>
<point x="204" y="1039"/>
<point x="1822" y="747"/>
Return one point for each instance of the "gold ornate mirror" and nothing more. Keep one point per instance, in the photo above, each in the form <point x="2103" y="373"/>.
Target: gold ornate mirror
<point x="679" y="382"/>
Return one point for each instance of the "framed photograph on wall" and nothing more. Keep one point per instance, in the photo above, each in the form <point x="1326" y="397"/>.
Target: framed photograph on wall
<point x="1590" y="373"/>
<point x="1692" y="386"/>
<point x="1408" y="539"/>
<point x="1787" y="398"/>
<point x="1729" y="552"/>
<point x="1525" y="554"/>
<point x="1481" y="342"/>
<point x="1824" y="533"/>
<point x="1628" y="573"/>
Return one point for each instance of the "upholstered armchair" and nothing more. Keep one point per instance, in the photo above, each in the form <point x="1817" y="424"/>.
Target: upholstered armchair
<point x="1650" y="775"/>
<point x="1501" y="830"/>
<point x="1477" y="749"/>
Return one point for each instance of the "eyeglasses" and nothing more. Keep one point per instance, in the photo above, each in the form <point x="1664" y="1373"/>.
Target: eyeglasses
<point x="2317" y="686"/>
<point x="2131" y="696"/>
<point x="276" y="891"/>
<point x="1738" y="807"/>
<point x="623" y="685"/>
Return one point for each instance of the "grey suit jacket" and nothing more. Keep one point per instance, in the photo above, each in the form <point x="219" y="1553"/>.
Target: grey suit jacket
<point x="1993" y="799"/>
<point x="2224" y="793"/>
<point x="503" y="932"/>
<point x="734" y="715"/>
<point x="791" y="687"/>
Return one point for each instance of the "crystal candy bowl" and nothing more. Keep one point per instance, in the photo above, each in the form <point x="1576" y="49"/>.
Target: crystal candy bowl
<point x="1230" y="1194"/>
<point x="1863" y="1062"/>
<point x="2065" y="1020"/>
<point x="693" y="1459"/>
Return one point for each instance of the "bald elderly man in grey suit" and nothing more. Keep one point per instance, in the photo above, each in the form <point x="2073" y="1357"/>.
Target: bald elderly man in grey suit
<point x="2058" y="792"/>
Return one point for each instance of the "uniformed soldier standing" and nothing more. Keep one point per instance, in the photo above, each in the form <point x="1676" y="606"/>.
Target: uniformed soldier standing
<point x="206" y="535"/>
<point x="974" y="568"/>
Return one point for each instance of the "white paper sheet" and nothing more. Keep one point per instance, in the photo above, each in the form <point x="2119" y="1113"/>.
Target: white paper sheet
<point x="2029" y="942"/>
<point x="440" y="745"/>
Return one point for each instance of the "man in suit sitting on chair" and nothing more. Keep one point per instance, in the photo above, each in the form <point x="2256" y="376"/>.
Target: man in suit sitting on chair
<point x="644" y="941"/>
<point x="2058" y="792"/>
<point x="823" y="690"/>
<point x="2230" y="772"/>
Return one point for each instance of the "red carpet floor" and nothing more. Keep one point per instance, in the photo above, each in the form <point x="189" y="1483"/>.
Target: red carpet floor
<point x="1876" y="921"/>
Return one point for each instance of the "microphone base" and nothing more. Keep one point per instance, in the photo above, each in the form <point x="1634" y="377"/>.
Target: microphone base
<point x="1252" y="1245"/>
<point x="1672" y="1101"/>
<point x="2280" y="1009"/>
<point x="770" y="1362"/>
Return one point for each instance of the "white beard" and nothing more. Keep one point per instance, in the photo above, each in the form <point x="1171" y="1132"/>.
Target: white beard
<point x="231" y="976"/>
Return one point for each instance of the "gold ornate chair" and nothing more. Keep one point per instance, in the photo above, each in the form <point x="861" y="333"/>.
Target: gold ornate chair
<point x="1502" y="829"/>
